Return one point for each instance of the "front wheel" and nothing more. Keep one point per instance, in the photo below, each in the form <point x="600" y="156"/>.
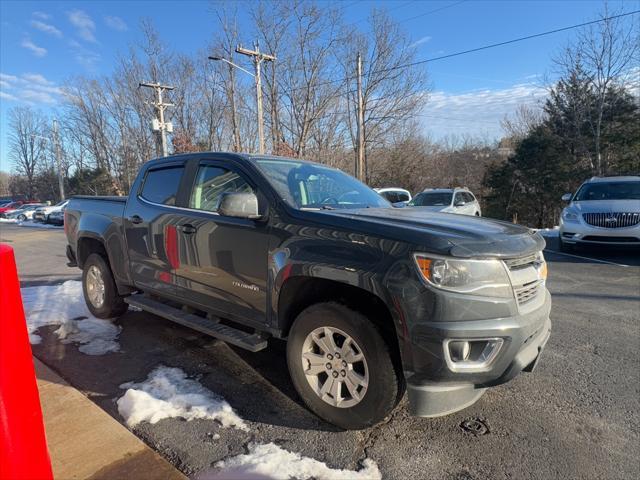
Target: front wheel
<point x="22" y="217"/>
<point x="342" y="367"/>
<point x="99" y="288"/>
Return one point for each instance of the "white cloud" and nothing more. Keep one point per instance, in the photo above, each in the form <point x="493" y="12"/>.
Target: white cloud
<point x="41" y="15"/>
<point x="8" y="78"/>
<point x="420" y="41"/>
<point x="46" y="28"/>
<point x="35" y="49"/>
<point x="84" y="24"/>
<point x="35" y="96"/>
<point x="478" y="112"/>
<point x="29" y="88"/>
<point x="8" y="96"/>
<point x="115" y="22"/>
<point x="36" y="78"/>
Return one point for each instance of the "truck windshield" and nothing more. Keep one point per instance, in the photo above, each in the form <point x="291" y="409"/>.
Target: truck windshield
<point x="608" y="191"/>
<point x="431" y="199"/>
<point x="311" y="186"/>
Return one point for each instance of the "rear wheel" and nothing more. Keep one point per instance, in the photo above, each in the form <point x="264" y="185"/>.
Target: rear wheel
<point x="22" y="217"/>
<point x="342" y="367"/>
<point x="99" y="288"/>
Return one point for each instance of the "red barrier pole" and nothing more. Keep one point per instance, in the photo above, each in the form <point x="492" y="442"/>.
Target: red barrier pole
<point x="23" y="446"/>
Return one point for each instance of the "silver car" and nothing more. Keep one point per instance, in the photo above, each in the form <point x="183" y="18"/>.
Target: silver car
<point x="604" y="211"/>
<point x="447" y="200"/>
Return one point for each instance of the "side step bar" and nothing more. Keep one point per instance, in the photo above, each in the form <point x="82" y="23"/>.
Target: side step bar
<point x="250" y="341"/>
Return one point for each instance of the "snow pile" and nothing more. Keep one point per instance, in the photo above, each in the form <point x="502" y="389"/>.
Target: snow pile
<point x="64" y="305"/>
<point x="168" y="393"/>
<point x="271" y="461"/>
<point x="8" y="220"/>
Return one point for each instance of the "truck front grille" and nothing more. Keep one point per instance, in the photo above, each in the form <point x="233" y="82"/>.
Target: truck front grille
<point x="519" y="263"/>
<point x="612" y="220"/>
<point x="528" y="292"/>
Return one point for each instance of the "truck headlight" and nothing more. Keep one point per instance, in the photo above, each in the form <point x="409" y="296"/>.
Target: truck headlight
<point x="478" y="277"/>
<point x="569" y="216"/>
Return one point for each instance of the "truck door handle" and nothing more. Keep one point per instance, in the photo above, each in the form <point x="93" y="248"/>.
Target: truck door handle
<point x="135" y="219"/>
<point x="187" y="228"/>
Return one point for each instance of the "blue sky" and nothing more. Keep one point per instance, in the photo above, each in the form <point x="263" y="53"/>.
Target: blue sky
<point x="43" y="43"/>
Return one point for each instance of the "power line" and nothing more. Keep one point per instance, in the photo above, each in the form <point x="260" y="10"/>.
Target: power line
<point x="508" y="42"/>
<point x="477" y="49"/>
<point x="432" y="11"/>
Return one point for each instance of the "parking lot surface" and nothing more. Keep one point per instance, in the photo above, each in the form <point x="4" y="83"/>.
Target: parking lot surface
<point x="576" y="416"/>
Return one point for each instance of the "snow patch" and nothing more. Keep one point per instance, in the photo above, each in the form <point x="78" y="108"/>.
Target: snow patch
<point x="168" y="393"/>
<point x="271" y="461"/>
<point x="64" y="305"/>
<point x="8" y="220"/>
<point x="29" y="223"/>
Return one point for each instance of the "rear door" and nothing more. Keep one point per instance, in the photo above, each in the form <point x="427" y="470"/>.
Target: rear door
<point x="222" y="260"/>
<point x="150" y="224"/>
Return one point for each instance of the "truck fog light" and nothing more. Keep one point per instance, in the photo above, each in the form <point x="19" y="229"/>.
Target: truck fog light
<point x="459" y="351"/>
<point x="475" y="355"/>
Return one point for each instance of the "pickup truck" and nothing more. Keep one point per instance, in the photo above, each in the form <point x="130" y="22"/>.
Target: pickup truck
<point x="372" y="300"/>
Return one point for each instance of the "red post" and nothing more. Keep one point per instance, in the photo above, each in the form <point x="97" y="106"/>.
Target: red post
<point x="23" y="446"/>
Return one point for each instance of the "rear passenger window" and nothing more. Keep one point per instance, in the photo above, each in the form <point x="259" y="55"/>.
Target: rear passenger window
<point x="211" y="182"/>
<point x="161" y="185"/>
<point x="403" y="197"/>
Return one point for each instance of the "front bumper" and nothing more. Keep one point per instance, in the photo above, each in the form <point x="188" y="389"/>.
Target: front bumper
<point x="581" y="233"/>
<point x="438" y="391"/>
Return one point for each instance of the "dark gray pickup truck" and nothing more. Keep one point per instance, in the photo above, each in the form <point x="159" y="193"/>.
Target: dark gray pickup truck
<point x="371" y="299"/>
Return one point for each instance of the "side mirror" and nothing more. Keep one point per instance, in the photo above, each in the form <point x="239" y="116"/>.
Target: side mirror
<point x="460" y="203"/>
<point x="240" y="205"/>
<point x="399" y="204"/>
<point x="566" y="197"/>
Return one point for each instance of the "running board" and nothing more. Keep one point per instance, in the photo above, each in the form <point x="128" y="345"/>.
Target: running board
<point x="250" y="341"/>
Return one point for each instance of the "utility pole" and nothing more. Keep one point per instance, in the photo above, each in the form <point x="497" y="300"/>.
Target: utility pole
<point x="360" y="160"/>
<point x="158" y="124"/>
<point x="258" y="58"/>
<point x="56" y="142"/>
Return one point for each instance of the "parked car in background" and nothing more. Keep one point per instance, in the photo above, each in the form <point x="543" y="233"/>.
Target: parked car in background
<point x="447" y="200"/>
<point x="9" y="207"/>
<point x="24" y="212"/>
<point x="56" y="218"/>
<point x="395" y="195"/>
<point x="604" y="211"/>
<point x="42" y="213"/>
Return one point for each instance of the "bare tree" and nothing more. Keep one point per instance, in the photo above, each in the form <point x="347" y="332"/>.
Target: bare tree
<point x="393" y="90"/>
<point x="524" y="119"/>
<point x="27" y="147"/>
<point x="605" y="52"/>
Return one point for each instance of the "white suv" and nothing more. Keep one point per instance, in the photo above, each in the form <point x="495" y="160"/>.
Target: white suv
<point x="42" y="214"/>
<point x="447" y="200"/>
<point x="604" y="211"/>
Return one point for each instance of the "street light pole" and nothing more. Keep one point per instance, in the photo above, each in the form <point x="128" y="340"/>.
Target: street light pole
<point x="162" y="127"/>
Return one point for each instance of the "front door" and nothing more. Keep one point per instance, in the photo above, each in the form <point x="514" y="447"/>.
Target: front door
<point x="222" y="260"/>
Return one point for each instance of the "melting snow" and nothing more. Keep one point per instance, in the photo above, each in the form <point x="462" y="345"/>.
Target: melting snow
<point x="168" y="393"/>
<point x="64" y="305"/>
<point x="271" y="461"/>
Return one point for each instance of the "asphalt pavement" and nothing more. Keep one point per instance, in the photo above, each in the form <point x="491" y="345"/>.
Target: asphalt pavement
<point x="576" y="416"/>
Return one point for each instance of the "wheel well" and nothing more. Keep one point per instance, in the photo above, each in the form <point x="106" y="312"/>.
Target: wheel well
<point x="298" y="293"/>
<point x="87" y="246"/>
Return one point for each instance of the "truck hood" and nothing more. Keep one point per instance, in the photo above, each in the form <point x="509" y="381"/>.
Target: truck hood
<point x="448" y="234"/>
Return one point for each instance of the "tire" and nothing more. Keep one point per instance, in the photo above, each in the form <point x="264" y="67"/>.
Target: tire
<point x="95" y="271"/>
<point x="477" y="214"/>
<point x="384" y="383"/>
<point x="22" y="217"/>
